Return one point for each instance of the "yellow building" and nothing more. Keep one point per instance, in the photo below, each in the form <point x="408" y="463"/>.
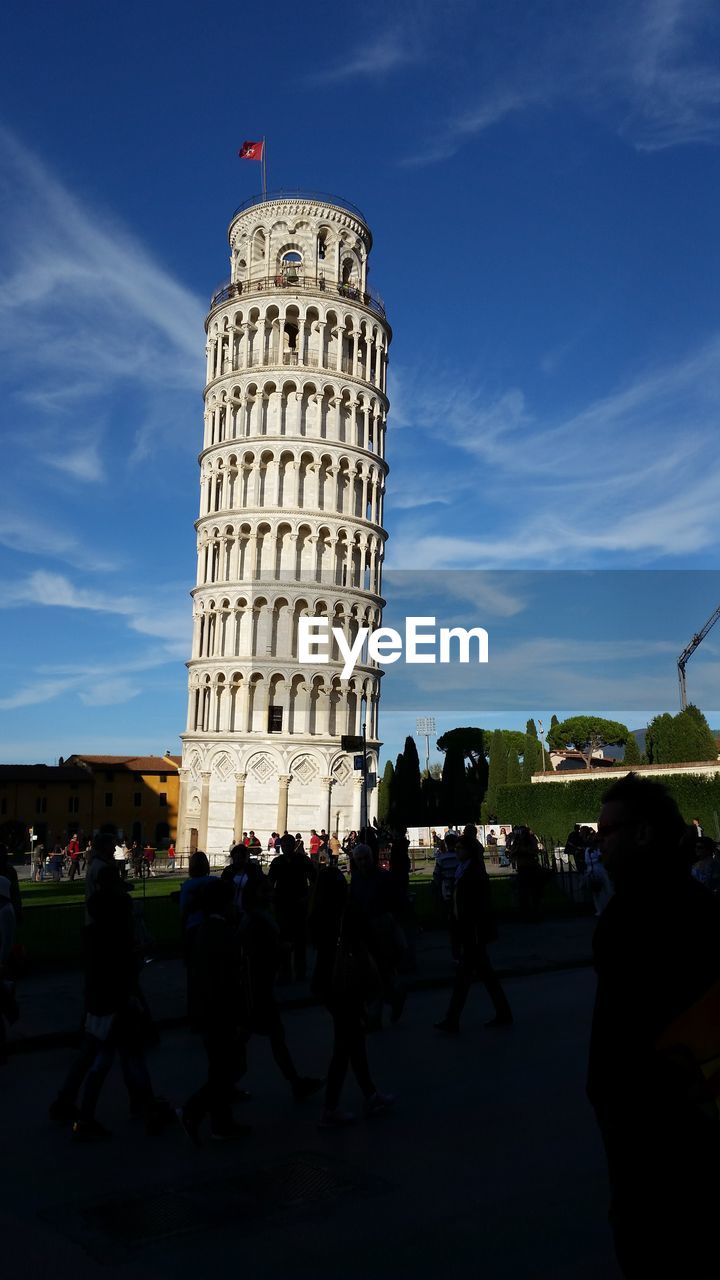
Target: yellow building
<point x="135" y="797"/>
<point x="52" y="801"/>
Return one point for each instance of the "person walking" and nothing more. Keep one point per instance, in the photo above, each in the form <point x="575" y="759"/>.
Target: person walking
<point x="262" y="948"/>
<point x="656" y="951"/>
<point x="377" y="906"/>
<point x="74" y="856"/>
<point x="474" y="923"/>
<point x="115" y="1015"/>
<point x="215" y="1007"/>
<point x="8" y="923"/>
<point x="10" y="873"/>
<point x="241" y="871"/>
<point x="291" y="875"/>
<point x="345" y="978"/>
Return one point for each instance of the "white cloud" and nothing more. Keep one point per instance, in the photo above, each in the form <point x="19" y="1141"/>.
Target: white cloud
<point x="650" y="69"/>
<point x="635" y="473"/>
<point x="145" y="615"/>
<point x="109" y="693"/>
<point x="388" y="51"/>
<point x="85" y="309"/>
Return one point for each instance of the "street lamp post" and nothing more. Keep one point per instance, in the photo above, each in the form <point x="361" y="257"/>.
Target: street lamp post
<point x="425" y="728"/>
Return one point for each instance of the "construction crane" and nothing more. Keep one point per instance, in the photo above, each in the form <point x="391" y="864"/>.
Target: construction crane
<point x="689" y="650"/>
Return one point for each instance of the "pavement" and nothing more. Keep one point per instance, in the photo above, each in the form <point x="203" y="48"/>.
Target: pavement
<point x="488" y="1163"/>
<point x="51" y="1002"/>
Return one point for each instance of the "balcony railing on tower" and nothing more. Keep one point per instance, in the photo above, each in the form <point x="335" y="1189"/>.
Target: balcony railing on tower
<point x="295" y="281"/>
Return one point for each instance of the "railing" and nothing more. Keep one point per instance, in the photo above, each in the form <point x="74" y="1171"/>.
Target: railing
<point x="317" y="283"/>
<point x="318" y="197"/>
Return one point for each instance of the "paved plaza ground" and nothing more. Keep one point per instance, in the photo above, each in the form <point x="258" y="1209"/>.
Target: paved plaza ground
<point x="489" y="1164"/>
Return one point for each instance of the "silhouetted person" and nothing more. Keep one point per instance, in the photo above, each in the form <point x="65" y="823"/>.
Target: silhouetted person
<point x="376" y="906"/>
<point x="215" y="1006"/>
<point x="474" y="928"/>
<point x="8" y="870"/>
<point x="657" y="951"/>
<point x="345" y="979"/>
<point x="192" y="913"/>
<point x="114" y="1015"/>
<point x="262" y="950"/>
<point x="291" y="874"/>
<point x="530" y="877"/>
<point x="8" y="1007"/>
<point x="243" y="870"/>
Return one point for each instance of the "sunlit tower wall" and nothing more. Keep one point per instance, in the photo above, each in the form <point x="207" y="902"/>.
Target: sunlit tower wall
<point x="292" y="484"/>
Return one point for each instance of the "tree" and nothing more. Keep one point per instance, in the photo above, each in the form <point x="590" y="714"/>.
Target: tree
<point x="680" y="739"/>
<point x="497" y="773"/>
<point x="431" y="799"/>
<point x="398" y="797"/>
<point x="632" y="751"/>
<point x="532" y="756"/>
<point x="470" y="741"/>
<point x="530" y="729"/>
<point x="413" y="815"/>
<point x="457" y="792"/>
<point x="514" y="769"/>
<point x="385" y="792"/>
<point x="586" y="734"/>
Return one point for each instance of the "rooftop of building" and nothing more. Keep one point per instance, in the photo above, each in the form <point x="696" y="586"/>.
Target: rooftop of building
<point x="42" y="773"/>
<point x="131" y="764"/>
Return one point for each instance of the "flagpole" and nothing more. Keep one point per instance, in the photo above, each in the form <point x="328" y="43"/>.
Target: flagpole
<point x="264" y="169"/>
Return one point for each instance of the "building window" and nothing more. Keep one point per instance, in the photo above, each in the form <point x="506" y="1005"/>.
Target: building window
<point x="163" y="777"/>
<point x="275" y="719"/>
<point x="73" y="804"/>
<point x="108" y="799"/>
<point x="41" y="804"/>
<point x="137" y="799"/>
<point x="3" y="805"/>
<point x="163" y="799"/>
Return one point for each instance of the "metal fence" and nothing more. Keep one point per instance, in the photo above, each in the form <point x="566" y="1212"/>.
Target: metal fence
<point x="294" y="280"/>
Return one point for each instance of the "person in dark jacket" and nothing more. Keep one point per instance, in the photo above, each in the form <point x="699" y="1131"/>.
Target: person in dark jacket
<point x="115" y="1017"/>
<point x="378" y="903"/>
<point x="217" y="1011"/>
<point x="657" y="957"/>
<point x="291" y="875"/>
<point x="244" y="869"/>
<point x="346" y="981"/>
<point x="474" y="929"/>
<point x="262" y="949"/>
<point x="8" y="870"/>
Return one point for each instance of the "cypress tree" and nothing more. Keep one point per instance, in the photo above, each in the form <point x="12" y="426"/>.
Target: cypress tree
<point x="413" y="815"/>
<point x="456" y="794"/>
<point x="632" y="751"/>
<point x="514" y="770"/>
<point x="385" y="792"/>
<point x="530" y="729"/>
<point x="497" y="775"/>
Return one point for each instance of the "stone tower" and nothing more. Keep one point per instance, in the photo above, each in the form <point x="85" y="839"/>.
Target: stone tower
<point x="292" y="479"/>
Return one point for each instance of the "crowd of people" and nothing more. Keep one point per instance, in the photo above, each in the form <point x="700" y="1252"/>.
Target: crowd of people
<point x="653" y="1077"/>
<point x="71" y="860"/>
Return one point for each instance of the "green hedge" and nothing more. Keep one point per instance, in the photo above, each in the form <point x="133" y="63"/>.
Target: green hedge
<point x="552" y="808"/>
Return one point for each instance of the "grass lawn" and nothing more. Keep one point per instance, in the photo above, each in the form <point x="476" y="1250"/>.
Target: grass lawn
<point x="53" y="914"/>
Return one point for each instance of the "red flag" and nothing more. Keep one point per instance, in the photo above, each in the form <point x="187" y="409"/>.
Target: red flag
<point x="251" y="151"/>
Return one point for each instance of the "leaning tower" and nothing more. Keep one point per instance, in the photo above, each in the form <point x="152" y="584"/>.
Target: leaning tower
<point x="292" y="480"/>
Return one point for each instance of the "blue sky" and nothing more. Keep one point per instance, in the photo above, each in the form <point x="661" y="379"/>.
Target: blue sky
<point x="542" y="185"/>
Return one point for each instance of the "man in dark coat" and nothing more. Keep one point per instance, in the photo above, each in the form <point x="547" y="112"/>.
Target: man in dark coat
<point x="657" y="957"/>
<point x="291" y="874"/>
<point x="474" y="928"/>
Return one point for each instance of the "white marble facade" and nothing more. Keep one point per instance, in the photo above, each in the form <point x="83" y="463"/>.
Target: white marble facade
<point x="292" y="484"/>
